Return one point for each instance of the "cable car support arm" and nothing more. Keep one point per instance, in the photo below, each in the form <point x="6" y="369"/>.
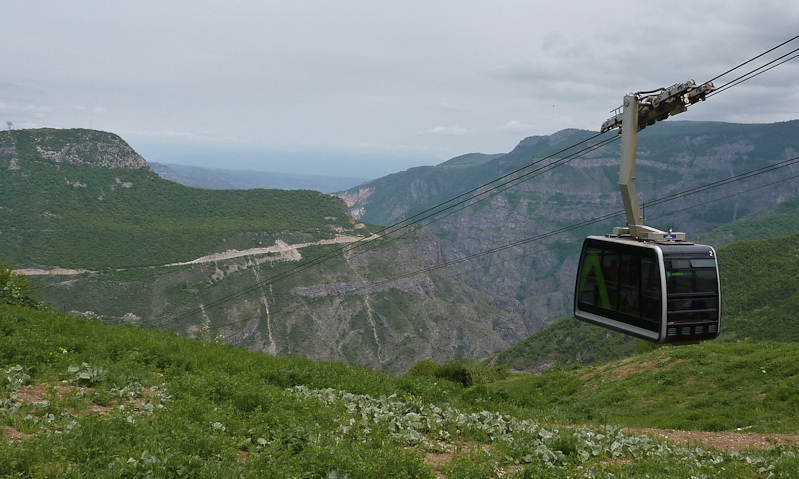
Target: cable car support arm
<point x="638" y="112"/>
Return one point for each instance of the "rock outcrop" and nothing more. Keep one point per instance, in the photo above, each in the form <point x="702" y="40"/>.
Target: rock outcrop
<point x="77" y="146"/>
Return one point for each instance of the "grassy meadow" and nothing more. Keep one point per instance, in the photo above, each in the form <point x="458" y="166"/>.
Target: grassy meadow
<point x="80" y="398"/>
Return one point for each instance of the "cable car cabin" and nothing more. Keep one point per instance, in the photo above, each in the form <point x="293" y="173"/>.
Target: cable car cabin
<point x="665" y="293"/>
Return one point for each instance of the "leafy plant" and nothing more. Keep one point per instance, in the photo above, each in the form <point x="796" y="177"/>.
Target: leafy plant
<point x="16" y="289"/>
<point x="14" y="378"/>
<point x="459" y="373"/>
<point x="85" y="375"/>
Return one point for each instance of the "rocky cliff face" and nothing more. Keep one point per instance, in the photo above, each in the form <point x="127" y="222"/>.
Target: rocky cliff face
<point x="673" y="157"/>
<point x="76" y="146"/>
<point x="356" y="196"/>
<point x="363" y="307"/>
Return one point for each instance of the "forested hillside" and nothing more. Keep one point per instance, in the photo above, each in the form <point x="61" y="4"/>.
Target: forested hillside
<point x="761" y="291"/>
<point x="67" y="202"/>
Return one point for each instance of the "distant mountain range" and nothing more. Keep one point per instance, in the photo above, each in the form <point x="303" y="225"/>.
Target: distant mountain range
<point x="222" y="179"/>
<point x="674" y="157"/>
<point x="240" y="265"/>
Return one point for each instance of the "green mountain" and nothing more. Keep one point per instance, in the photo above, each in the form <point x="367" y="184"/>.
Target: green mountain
<point x="85" y="199"/>
<point x="673" y="158"/>
<point x="779" y="220"/>
<point x="761" y="294"/>
<point x="80" y="398"/>
<point x="85" y="216"/>
<point x="240" y="265"/>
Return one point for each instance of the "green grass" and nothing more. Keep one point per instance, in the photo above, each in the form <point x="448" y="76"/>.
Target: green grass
<point x="566" y="341"/>
<point x="710" y="387"/>
<point x="759" y="289"/>
<point x="88" y="399"/>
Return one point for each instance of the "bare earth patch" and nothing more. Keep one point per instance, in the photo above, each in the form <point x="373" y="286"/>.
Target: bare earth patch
<point x="40" y="392"/>
<point x="36" y="393"/>
<point x="437" y="460"/>
<point x="12" y="434"/>
<point x="721" y="441"/>
<point x="54" y="271"/>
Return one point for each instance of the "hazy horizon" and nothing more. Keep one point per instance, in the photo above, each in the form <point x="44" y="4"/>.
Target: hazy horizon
<point x="354" y="86"/>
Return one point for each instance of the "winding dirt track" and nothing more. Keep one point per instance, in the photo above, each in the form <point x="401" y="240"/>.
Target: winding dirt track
<point x="280" y="247"/>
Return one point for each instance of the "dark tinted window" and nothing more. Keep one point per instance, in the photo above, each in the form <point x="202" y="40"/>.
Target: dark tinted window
<point x="592" y="277"/>
<point x="683" y="277"/>
<point x="622" y="283"/>
<point x="650" y="290"/>
<point x="693" y="289"/>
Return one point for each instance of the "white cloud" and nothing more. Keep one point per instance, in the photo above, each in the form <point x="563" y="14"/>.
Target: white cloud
<point x="447" y="131"/>
<point x="515" y="127"/>
<point x="183" y="135"/>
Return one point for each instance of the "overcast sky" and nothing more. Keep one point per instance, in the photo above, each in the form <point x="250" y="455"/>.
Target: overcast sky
<point x="366" y="88"/>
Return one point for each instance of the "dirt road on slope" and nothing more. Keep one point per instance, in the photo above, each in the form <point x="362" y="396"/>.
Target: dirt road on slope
<point x="287" y="251"/>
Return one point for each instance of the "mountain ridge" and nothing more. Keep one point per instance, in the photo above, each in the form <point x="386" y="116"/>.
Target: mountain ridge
<point x="384" y="308"/>
<point x="673" y="158"/>
<point x="76" y="146"/>
<point x="123" y="231"/>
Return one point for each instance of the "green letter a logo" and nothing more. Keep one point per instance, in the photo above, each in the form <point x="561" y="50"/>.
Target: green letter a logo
<point x="592" y="263"/>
